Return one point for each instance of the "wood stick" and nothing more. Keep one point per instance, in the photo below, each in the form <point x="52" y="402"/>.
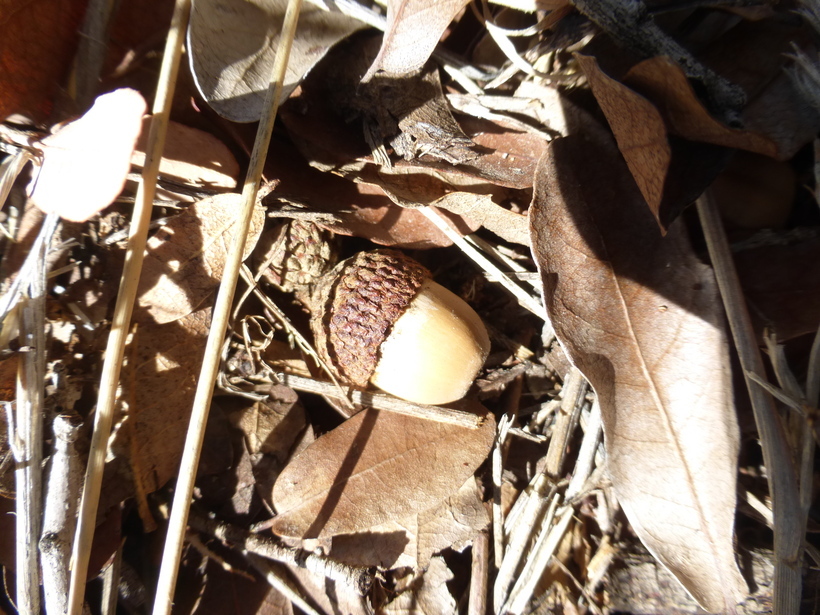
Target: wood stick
<point x="28" y="435"/>
<point x="60" y="510"/>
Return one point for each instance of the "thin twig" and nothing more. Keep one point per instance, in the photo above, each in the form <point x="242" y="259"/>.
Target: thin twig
<point x="59" y="517"/>
<point x="629" y="22"/>
<point x="548" y="540"/>
<point x="29" y="423"/>
<point x="109" y="380"/>
<point x="776" y="455"/>
<point x="480" y="574"/>
<point x="382" y="401"/>
<point x="358" y="578"/>
<point x="222" y="310"/>
<point x="276" y="581"/>
<point x="524" y="298"/>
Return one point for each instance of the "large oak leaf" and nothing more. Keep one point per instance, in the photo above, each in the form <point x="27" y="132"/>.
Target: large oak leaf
<point x="640" y="316"/>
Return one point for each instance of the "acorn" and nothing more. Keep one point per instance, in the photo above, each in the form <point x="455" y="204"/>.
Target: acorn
<point x="379" y="318"/>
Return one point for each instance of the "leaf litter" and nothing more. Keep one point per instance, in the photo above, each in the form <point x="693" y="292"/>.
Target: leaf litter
<point x="572" y="168"/>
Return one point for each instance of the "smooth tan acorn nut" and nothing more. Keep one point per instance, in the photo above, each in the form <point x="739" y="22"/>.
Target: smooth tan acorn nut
<point x="379" y="318"/>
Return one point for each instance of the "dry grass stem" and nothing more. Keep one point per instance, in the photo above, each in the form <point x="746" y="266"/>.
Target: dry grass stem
<point x="572" y="400"/>
<point x="504" y="425"/>
<point x="530" y="507"/>
<point x="120" y="324"/>
<point x="586" y="454"/>
<point x="547" y="542"/>
<point x="111" y="582"/>
<point x="219" y="325"/>
<point x="777" y="457"/>
<point x="524" y="298"/>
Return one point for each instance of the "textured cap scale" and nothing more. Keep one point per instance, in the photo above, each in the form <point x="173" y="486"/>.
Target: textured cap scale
<point x="363" y="296"/>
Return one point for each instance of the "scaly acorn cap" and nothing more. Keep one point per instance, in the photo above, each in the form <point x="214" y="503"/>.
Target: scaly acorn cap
<point x="378" y="317"/>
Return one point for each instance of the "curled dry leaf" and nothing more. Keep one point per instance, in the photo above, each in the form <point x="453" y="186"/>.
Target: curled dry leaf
<point x="233" y="46"/>
<point x="375" y="467"/>
<point x="638" y="128"/>
<point x="85" y="164"/>
<point x="414" y="28"/>
<point x="671" y="171"/>
<point x="361" y="210"/>
<point x="186" y="257"/>
<point x="640" y="316"/>
<point x="664" y="83"/>
<point x="481" y="210"/>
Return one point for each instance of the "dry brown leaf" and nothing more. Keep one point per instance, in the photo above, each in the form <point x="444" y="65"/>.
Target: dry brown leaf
<point x="186" y="257"/>
<point x="414" y="28"/>
<point x="363" y="210"/>
<point x="640" y="316"/>
<point x="191" y="157"/>
<point x="158" y="388"/>
<point x="388" y="545"/>
<point x="454" y="523"/>
<point x="482" y="211"/>
<point x="85" y="163"/>
<point x="412" y="542"/>
<point x="37" y="42"/>
<point x="664" y="83"/>
<point x="638" y="128"/>
<point x="671" y="172"/>
<point x="271" y="426"/>
<point x="428" y="594"/>
<point x="233" y="45"/>
<point x="375" y="467"/>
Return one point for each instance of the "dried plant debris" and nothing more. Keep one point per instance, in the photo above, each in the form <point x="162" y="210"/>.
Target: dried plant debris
<point x="603" y="459"/>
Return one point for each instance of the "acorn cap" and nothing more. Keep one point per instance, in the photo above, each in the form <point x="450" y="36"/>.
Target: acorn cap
<point x="379" y="317"/>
